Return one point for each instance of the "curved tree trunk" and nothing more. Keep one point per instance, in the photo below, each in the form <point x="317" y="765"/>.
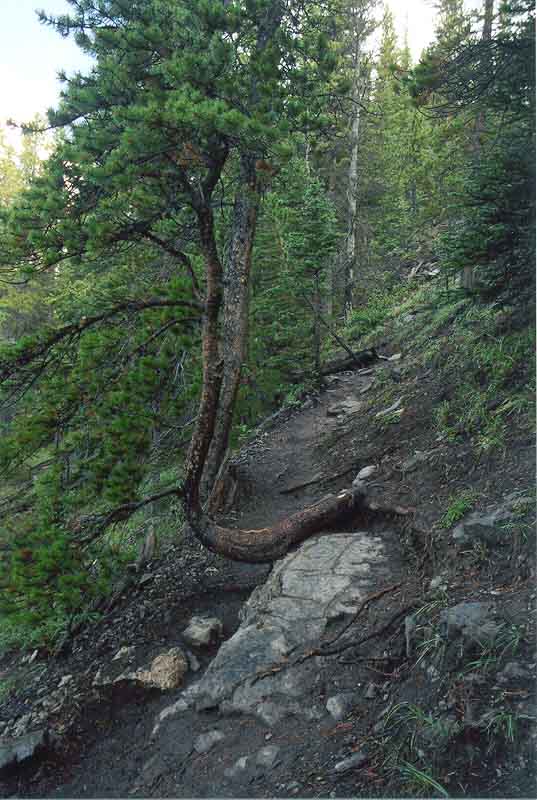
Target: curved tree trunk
<point x="268" y="544"/>
<point x="235" y="316"/>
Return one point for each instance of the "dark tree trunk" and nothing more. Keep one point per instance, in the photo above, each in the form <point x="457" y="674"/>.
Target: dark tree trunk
<point x="235" y="317"/>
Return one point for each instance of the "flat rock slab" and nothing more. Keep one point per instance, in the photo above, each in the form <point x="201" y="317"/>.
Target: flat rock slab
<point x="325" y="580"/>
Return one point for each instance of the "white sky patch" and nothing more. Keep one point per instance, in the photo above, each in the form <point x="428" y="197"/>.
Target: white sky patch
<point x="32" y="54"/>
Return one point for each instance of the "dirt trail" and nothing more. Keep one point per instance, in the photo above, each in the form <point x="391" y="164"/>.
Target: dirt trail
<point x="115" y="755"/>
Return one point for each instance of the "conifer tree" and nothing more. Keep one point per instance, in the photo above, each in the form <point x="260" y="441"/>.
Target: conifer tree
<point x="188" y="107"/>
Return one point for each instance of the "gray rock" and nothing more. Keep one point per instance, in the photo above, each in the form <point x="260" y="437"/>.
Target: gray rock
<point x="206" y="741"/>
<point x="485" y="527"/>
<point x="366" y="472"/>
<point x="124" y="653"/>
<point x="413" y="461"/>
<point x="396" y="357"/>
<point x="439" y="582"/>
<point x="355" y="761"/>
<point x="193" y="662"/>
<point x="410" y="628"/>
<point x="239" y="766"/>
<point x="371" y="691"/>
<point x="394" y="407"/>
<point x="339" y="705"/>
<point x="349" y="406"/>
<point x="266" y="757"/>
<point x="513" y="671"/>
<point x="65" y="681"/>
<point x="202" y="631"/>
<point x="179" y="707"/>
<point x="472" y="621"/>
<point x="325" y="579"/>
<point x="19" y="749"/>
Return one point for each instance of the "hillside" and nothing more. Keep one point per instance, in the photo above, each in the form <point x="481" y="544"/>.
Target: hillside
<point x="425" y="686"/>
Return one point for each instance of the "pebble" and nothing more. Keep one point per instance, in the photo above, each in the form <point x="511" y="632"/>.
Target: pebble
<point x="206" y="741"/>
<point x="352" y="762"/>
<point x="267" y="756"/>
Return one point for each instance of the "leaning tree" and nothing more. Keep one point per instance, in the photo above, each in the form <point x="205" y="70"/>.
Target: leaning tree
<point x="188" y="107"/>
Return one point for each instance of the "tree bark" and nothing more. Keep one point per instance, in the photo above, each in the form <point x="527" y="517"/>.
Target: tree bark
<point x="212" y="367"/>
<point x="235" y="318"/>
<point x="268" y="544"/>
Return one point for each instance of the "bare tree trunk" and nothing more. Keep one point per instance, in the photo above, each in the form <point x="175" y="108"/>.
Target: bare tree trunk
<point x="236" y="311"/>
<point x="212" y="367"/>
<point x="237" y="282"/>
<point x="468" y="276"/>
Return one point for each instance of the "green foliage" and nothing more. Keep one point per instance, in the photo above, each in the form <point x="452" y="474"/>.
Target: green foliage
<point x="46" y="581"/>
<point x="459" y="505"/>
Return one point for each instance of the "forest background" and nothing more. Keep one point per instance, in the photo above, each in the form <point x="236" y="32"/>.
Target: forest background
<point x="228" y="188"/>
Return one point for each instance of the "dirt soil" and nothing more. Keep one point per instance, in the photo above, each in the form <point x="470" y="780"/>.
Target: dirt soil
<point x="100" y="741"/>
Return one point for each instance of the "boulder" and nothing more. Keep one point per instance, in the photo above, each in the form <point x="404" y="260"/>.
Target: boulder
<point x="12" y="751"/>
<point x="482" y="527"/>
<point x="203" y="631"/>
<point x="321" y="582"/>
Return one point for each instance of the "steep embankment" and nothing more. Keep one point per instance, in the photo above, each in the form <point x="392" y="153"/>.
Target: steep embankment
<point x="393" y="656"/>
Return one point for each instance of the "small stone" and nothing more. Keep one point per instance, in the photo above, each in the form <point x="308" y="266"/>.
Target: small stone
<point x="366" y="472"/>
<point x="344" y="407"/>
<point x="64" y="681"/>
<point x="394" y="407"/>
<point x="267" y="756"/>
<point x="355" y="761"/>
<point x="410" y="627"/>
<point x="339" y="705"/>
<point x="202" y="631"/>
<point x="396" y="357"/>
<point x="206" y="741"/>
<point x="371" y="691"/>
<point x="124" y="653"/>
<point x="411" y="463"/>
<point x="193" y="662"/>
<point x="438" y="582"/>
<point x="168" y="669"/>
<point x="238" y="767"/>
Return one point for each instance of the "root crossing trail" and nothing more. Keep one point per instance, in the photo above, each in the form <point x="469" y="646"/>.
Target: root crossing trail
<point x="244" y="724"/>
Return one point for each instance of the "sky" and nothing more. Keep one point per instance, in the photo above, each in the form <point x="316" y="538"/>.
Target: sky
<point x="31" y="54"/>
